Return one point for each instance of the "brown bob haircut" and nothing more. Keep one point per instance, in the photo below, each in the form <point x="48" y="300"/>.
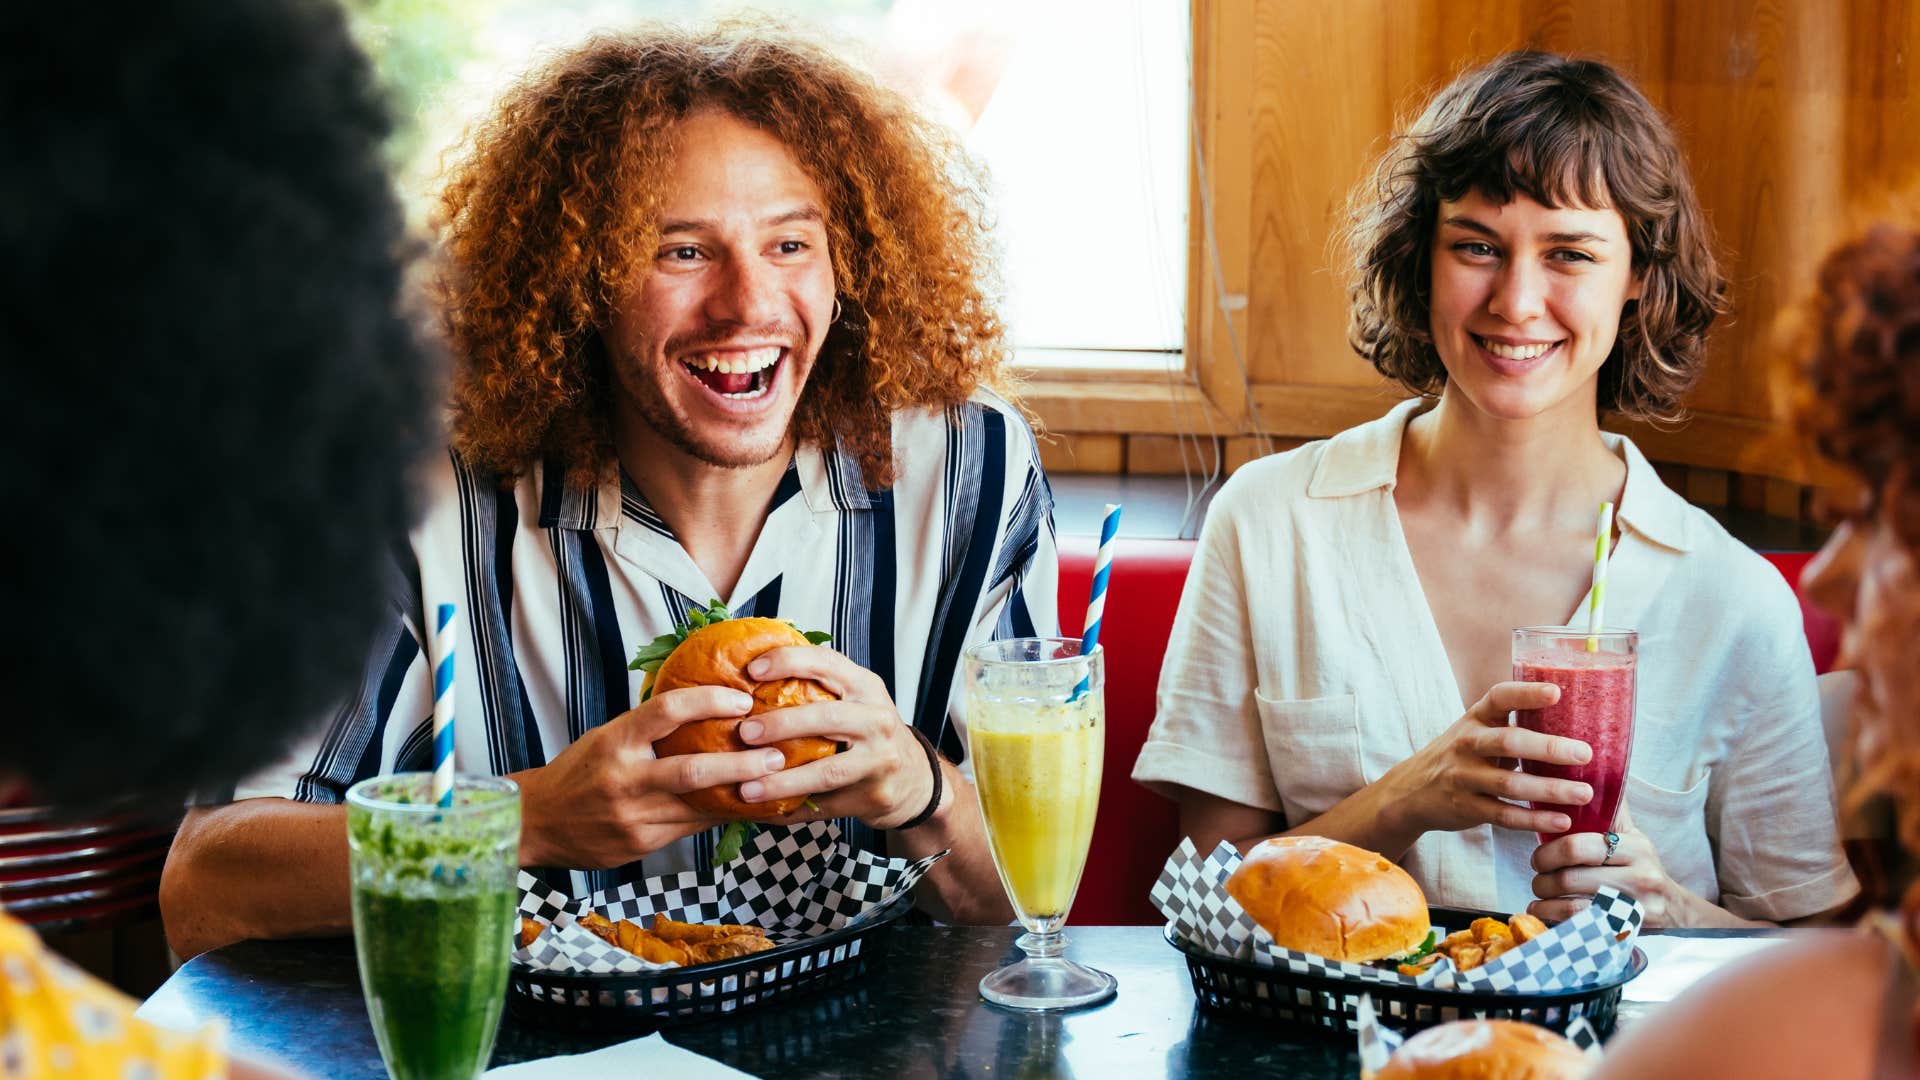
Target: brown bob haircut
<point x="550" y="220"/>
<point x="1563" y="133"/>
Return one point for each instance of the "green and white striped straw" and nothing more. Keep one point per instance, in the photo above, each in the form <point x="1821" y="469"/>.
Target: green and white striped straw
<point x="1597" y="605"/>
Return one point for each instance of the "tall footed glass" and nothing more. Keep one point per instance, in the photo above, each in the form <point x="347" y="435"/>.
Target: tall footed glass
<point x="434" y="905"/>
<point x="1036" y="728"/>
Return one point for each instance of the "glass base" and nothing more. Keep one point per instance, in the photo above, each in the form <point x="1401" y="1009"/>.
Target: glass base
<point x="1045" y="981"/>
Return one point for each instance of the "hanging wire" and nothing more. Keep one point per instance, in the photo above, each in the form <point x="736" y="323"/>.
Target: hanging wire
<point x="1167" y="296"/>
<point x="1210" y="241"/>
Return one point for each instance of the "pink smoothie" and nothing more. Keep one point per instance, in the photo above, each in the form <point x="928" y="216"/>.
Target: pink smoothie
<point x="1596" y="707"/>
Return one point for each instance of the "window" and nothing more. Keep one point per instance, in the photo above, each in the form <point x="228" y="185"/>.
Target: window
<point x="1078" y="112"/>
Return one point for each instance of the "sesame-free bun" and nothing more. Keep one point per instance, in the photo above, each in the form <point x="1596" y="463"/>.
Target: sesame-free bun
<point x="1330" y="899"/>
<point x="717" y="655"/>
<point x="1486" y="1050"/>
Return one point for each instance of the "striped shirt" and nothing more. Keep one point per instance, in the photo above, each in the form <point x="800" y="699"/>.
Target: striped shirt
<point x="557" y="585"/>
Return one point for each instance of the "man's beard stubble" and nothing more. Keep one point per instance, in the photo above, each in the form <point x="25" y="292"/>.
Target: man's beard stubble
<point x="649" y="402"/>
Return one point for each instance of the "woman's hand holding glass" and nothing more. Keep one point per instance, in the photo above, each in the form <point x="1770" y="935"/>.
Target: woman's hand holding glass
<point x="1466" y="777"/>
<point x="1571" y="868"/>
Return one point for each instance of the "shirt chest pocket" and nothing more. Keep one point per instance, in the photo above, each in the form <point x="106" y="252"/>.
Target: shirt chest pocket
<point x="1313" y="749"/>
<point x="1676" y="822"/>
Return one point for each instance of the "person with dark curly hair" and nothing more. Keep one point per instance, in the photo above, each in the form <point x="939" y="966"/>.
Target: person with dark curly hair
<point x="1859" y="381"/>
<point x="1527" y="257"/>
<point x="721" y="326"/>
<point x="216" y="397"/>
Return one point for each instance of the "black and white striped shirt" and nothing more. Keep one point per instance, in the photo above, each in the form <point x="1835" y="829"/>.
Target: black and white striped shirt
<point x="558" y="585"/>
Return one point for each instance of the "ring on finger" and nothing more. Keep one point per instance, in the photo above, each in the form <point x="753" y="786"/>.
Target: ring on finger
<point x="1613" y="844"/>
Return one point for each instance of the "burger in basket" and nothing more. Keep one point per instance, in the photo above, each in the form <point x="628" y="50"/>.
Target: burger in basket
<point x="714" y="649"/>
<point x="1486" y="1050"/>
<point x="1320" y="896"/>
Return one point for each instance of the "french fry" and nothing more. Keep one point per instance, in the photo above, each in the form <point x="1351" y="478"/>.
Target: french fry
<point x="1468" y="957"/>
<point x="1525" y="928"/>
<point x="726" y="948"/>
<point x="634" y="938"/>
<point x="597" y="925"/>
<point x="529" y="930"/>
<point x="1455" y="940"/>
<point x="1487" y="928"/>
<point x="1498" y="944"/>
<point x="668" y="941"/>
<point x="689" y="933"/>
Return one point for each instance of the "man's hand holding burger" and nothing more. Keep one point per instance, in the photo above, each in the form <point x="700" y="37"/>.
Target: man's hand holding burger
<point x="609" y="799"/>
<point x="880" y="775"/>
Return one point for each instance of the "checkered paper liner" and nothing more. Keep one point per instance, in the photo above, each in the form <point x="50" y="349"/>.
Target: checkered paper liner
<point x="1378" y="1041"/>
<point x="795" y="883"/>
<point x="1594" y="945"/>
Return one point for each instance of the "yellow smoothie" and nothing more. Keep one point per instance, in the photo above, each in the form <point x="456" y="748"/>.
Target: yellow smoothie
<point x="1037" y="769"/>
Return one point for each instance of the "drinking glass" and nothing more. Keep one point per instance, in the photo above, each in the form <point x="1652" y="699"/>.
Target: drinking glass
<point x="434" y="902"/>
<point x="1036" y="720"/>
<point x="1596" y="677"/>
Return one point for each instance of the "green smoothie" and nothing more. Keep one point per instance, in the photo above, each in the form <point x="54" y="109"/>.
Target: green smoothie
<point x="435" y="973"/>
<point x="434" y="915"/>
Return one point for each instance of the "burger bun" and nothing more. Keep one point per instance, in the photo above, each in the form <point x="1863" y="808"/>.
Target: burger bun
<point x="717" y="655"/>
<point x="1323" y="897"/>
<point x="1487" y="1050"/>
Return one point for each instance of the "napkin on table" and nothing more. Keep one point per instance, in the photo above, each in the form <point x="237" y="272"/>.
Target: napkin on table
<point x="649" y="1056"/>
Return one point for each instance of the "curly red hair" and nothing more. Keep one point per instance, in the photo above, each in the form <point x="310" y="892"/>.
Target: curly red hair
<point x="1859" y="401"/>
<point x="549" y="218"/>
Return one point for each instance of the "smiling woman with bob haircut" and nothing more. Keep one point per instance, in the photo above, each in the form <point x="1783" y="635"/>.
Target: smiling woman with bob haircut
<point x="1526" y="258"/>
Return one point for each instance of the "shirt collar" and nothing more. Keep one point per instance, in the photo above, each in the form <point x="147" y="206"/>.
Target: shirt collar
<point x="1648" y="506"/>
<point x="830" y="480"/>
<point x="1367" y="457"/>
<point x="569" y="505"/>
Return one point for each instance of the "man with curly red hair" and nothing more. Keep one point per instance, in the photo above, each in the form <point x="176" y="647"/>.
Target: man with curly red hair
<point x="1841" y="1006"/>
<point x="720" y="314"/>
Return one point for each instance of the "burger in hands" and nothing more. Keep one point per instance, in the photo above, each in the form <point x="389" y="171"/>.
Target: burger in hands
<point x="1486" y="1050"/>
<point x="714" y="649"/>
<point x="1323" y="897"/>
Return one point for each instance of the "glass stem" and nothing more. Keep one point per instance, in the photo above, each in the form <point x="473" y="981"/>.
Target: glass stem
<point x="1043" y="946"/>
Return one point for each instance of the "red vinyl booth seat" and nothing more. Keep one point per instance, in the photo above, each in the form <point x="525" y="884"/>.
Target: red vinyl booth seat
<point x="1136" y="829"/>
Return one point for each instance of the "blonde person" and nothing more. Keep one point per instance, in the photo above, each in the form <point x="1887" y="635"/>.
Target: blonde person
<point x="1527" y="258"/>
<point x="1863" y="409"/>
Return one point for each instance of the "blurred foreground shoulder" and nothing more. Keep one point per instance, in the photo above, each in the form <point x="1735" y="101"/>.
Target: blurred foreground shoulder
<point x="1809" y="1007"/>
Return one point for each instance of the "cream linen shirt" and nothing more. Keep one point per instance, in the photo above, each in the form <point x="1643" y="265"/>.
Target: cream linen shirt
<point x="1304" y="663"/>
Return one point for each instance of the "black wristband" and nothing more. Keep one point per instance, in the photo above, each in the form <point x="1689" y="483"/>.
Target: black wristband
<point x="939" y="783"/>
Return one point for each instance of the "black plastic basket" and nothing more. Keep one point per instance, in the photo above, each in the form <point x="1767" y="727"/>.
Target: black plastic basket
<point x="1330" y="1004"/>
<point x="655" y="999"/>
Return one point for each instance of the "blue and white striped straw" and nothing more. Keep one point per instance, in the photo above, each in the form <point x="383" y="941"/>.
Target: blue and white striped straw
<point x="443" y="708"/>
<point x="1097" y="596"/>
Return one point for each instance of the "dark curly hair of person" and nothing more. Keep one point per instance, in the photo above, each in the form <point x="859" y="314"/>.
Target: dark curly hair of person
<point x="214" y="394"/>
<point x="1858" y="354"/>
<point x="1563" y="133"/>
<point x="549" y="219"/>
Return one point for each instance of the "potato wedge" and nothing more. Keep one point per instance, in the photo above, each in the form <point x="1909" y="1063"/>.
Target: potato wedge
<point x="1525" y="928"/>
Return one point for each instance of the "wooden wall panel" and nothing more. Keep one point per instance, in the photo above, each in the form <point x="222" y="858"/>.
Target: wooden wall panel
<point x="1790" y="112"/>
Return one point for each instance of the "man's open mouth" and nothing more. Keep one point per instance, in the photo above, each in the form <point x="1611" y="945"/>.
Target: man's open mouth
<point x="738" y="374"/>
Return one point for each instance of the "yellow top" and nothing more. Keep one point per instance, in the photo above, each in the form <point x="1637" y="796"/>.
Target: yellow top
<point x="57" y="1021"/>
